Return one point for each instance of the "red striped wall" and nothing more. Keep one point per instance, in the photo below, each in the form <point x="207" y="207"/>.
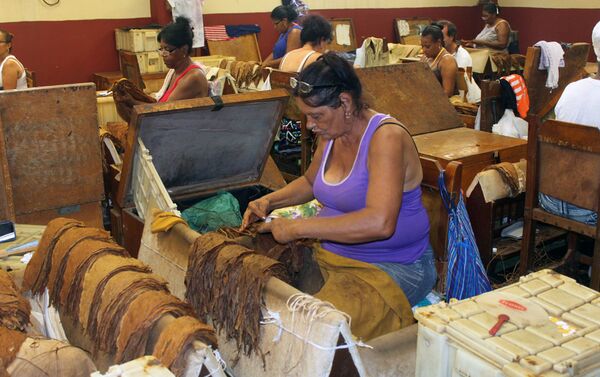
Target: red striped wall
<point x="71" y="51"/>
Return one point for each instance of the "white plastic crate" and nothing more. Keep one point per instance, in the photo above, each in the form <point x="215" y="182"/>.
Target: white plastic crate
<point x="136" y="40"/>
<point x="453" y="338"/>
<point x="150" y="62"/>
<point x="107" y="111"/>
<point x="147" y="185"/>
<point x="213" y="60"/>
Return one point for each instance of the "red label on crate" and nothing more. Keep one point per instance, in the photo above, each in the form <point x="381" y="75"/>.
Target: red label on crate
<point x="513" y="305"/>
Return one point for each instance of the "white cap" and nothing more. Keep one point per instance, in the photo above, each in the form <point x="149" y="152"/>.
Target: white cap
<point x="596" y="40"/>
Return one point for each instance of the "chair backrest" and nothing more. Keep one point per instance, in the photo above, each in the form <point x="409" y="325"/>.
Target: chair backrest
<point x="31" y="80"/>
<point x="461" y="83"/>
<point x="543" y="99"/>
<point x="130" y="69"/>
<point x="513" y="42"/>
<point x="491" y="107"/>
<point x="567" y="161"/>
<point x="438" y="215"/>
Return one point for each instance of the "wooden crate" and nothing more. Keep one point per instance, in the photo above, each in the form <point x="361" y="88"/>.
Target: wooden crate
<point x="104" y="80"/>
<point x="52" y="153"/>
<point x="228" y="149"/>
<point x="244" y="48"/>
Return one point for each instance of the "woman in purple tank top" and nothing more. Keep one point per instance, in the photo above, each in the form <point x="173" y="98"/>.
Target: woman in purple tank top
<point x="367" y="175"/>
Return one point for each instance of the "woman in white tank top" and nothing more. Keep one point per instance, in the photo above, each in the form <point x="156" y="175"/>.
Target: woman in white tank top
<point x="315" y="35"/>
<point x="12" y="72"/>
<point x="496" y="33"/>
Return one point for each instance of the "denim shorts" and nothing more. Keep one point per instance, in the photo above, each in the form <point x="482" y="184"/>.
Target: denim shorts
<point x="568" y="210"/>
<point x="416" y="279"/>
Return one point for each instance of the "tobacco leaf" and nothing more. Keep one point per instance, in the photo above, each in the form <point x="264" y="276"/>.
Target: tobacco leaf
<point x="36" y="273"/>
<point x="176" y="340"/>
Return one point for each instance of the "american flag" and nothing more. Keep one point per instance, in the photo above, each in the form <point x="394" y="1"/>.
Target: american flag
<point x="216" y="33"/>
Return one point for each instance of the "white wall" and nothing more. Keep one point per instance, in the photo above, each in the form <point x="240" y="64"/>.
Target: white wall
<point x="259" y="6"/>
<point x="36" y="10"/>
<point x="560" y="4"/>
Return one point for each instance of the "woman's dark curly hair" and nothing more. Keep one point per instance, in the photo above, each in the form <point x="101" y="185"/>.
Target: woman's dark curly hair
<point x="328" y="70"/>
<point x="178" y="33"/>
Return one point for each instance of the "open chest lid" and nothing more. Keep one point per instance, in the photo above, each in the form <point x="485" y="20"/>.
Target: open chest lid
<point x="410" y="93"/>
<point x="203" y="145"/>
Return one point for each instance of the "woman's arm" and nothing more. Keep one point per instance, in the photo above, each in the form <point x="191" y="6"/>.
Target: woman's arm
<point x="193" y="85"/>
<point x="449" y="69"/>
<point x="10" y="74"/>
<point x="270" y="62"/>
<point x="387" y="169"/>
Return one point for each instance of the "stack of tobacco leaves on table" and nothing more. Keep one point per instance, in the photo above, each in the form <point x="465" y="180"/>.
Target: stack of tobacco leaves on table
<point x="14" y="317"/>
<point x="225" y="282"/>
<point x="177" y="338"/>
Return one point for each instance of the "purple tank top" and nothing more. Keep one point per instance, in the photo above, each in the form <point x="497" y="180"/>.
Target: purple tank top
<point x="411" y="237"/>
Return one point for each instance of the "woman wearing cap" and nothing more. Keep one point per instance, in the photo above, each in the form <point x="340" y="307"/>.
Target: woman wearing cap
<point x="12" y="72"/>
<point x="315" y="35"/>
<point x="496" y="33"/>
<point x="284" y="20"/>
<point x="367" y="175"/>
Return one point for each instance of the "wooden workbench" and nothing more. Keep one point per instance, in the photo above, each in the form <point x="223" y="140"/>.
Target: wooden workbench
<point x="475" y="149"/>
<point x="411" y="94"/>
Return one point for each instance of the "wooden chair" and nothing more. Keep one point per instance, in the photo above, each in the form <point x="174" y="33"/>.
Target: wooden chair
<point x="438" y="216"/>
<point x="130" y="69"/>
<point x="563" y="162"/>
<point x="491" y="105"/>
<point x="281" y="79"/>
<point x="31" y="79"/>
<point x="461" y="83"/>
<point x="542" y="99"/>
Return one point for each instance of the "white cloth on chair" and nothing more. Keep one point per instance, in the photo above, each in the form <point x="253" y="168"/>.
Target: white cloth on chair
<point x="552" y="58"/>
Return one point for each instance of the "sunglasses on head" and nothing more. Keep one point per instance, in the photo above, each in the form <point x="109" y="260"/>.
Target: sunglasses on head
<point x="305" y="88"/>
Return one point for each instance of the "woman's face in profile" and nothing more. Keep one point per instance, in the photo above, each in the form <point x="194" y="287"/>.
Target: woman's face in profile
<point x="4" y="45"/>
<point x="324" y="121"/>
<point x="430" y="48"/>
<point x="280" y="25"/>
<point x="169" y="53"/>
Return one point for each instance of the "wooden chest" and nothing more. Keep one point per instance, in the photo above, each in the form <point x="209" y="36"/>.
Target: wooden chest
<point x="51" y="158"/>
<point x="179" y="153"/>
